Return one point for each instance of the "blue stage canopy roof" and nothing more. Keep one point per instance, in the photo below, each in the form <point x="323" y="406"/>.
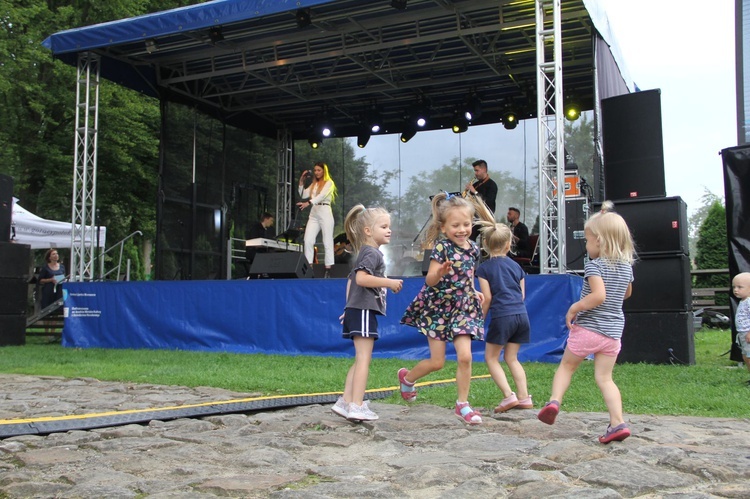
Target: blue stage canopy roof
<point x="257" y="65"/>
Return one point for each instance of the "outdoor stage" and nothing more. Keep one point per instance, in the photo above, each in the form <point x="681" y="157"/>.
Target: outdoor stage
<point x="278" y="316"/>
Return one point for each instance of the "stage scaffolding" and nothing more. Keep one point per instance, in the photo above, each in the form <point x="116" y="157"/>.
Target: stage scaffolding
<point x="552" y="258"/>
<point x="83" y="215"/>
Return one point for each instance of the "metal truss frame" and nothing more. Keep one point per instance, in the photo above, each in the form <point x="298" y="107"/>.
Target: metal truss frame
<point x="284" y="194"/>
<point x="551" y="137"/>
<point x="83" y="240"/>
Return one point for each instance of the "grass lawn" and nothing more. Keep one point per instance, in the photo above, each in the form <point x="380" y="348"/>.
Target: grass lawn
<point x="714" y="386"/>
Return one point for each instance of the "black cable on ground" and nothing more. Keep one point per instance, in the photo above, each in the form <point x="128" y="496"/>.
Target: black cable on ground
<point x="55" y="424"/>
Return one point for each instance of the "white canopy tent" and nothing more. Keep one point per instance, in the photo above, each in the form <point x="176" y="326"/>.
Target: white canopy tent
<point x="40" y="233"/>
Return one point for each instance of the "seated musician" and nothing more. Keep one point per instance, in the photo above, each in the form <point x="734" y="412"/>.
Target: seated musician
<point x="259" y="229"/>
<point x="342" y="249"/>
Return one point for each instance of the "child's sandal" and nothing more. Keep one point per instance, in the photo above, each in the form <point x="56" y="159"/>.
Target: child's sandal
<point x="618" y="433"/>
<point x="467" y="414"/>
<point x="408" y="392"/>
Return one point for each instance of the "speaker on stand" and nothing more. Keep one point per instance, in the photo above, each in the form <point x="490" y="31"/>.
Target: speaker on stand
<point x="15" y="262"/>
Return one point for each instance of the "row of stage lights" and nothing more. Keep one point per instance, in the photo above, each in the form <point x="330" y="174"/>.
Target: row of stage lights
<point x="418" y="118"/>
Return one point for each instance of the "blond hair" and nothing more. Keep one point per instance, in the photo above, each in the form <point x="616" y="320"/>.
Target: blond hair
<point x="442" y="203"/>
<point x="613" y="235"/>
<point x="496" y="237"/>
<point x="357" y="220"/>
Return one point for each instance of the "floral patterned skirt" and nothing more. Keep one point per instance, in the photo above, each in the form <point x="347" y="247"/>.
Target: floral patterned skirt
<point x="444" y="314"/>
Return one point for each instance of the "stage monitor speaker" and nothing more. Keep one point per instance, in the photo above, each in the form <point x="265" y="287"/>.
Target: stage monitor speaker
<point x="659" y="225"/>
<point x="15" y="260"/>
<point x="6" y="206"/>
<point x="575" y="242"/>
<point x="661" y="283"/>
<point x="658" y="338"/>
<point x="281" y="265"/>
<point x="12" y="330"/>
<point x="338" y="271"/>
<point x="13" y="296"/>
<point x="633" y="146"/>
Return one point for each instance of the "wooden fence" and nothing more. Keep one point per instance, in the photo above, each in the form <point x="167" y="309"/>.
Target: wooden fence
<point x="706" y="297"/>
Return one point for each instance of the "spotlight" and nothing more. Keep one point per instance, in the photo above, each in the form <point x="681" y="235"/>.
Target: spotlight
<point x="363" y="139"/>
<point x="460" y="121"/>
<point x="510" y="120"/>
<point x="314" y="141"/>
<point x="460" y="125"/>
<point x="215" y="35"/>
<point x="326" y="130"/>
<point x="303" y="18"/>
<point x="398" y="4"/>
<point x="151" y="46"/>
<point x="473" y="108"/>
<point x="375" y="121"/>
<point x="406" y="135"/>
<point x="572" y="111"/>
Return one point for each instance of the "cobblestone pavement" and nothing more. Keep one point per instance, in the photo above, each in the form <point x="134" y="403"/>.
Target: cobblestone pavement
<point x="420" y="451"/>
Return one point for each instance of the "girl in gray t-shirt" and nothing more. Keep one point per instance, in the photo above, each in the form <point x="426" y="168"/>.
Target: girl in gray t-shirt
<point x="367" y="229"/>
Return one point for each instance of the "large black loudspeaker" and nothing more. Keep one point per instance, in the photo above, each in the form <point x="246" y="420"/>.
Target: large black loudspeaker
<point x="284" y="265"/>
<point x="12" y="330"/>
<point x="658" y="338"/>
<point x="661" y="284"/>
<point x="575" y="242"/>
<point x="658" y="225"/>
<point x="15" y="260"/>
<point x="6" y="206"/>
<point x="13" y="295"/>
<point x="633" y="147"/>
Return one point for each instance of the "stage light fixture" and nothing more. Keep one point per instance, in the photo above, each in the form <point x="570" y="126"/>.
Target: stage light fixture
<point x="363" y="139"/>
<point x="314" y="141"/>
<point x="303" y="18"/>
<point x="151" y="46"/>
<point x="406" y="135"/>
<point x="510" y="120"/>
<point x="398" y="4"/>
<point x="473" y="108"/>
<point x="215" y="35"/>
<point x="572" y="111"/>
<point x="460" y="124"/>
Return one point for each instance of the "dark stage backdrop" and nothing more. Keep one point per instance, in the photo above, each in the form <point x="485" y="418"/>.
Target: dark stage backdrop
<point x="737" y="195"/>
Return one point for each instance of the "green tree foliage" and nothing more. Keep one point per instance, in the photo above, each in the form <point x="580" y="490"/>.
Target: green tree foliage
<point x="699" y="215"/>
<point x="713" y="251"/>
<point x="415" y="208"/>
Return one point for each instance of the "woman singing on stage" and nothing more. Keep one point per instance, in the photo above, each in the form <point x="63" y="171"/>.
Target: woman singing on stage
<point x="318" y="195"/>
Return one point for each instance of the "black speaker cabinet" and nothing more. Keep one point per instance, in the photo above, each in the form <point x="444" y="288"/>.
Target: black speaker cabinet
<point x="15" y="260"/>
<point x="338" y="271"/>
<point x="661" y="284"/>
<point x="6" y="206"/>
<point x="659" y="225"/>
<point x="13" y="295"/>
<point x="658" y="338"/>
<point x="283" y="265"/>
<point x="12" y="330"/>
<point x="575" y="242"/>
<point x="633" y="146"/>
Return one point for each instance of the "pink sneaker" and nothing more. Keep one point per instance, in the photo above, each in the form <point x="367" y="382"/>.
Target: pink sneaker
<point x="408" y="392"/>
<point x="507" y="404"/>
<point x="526" y="403"/>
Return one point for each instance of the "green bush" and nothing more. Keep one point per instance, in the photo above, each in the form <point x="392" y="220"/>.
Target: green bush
<point x="713" y="251"/>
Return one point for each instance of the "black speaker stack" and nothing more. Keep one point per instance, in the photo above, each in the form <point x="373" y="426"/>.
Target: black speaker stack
<point x="281" y="265"/>
<point x="6" y="206"/>
<point x="14" y="277"/>
<point x="658" y="316"/>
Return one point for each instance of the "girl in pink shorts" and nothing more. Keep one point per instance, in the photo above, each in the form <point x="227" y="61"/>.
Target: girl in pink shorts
<point x="596" y="321"/>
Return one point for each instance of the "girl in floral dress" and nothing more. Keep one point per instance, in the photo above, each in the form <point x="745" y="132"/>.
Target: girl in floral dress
<point x="448" y="308"/>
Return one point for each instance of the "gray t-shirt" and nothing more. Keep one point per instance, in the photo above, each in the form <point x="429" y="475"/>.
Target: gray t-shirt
<point x="607" y="318"/>
<point x="370" y="260"/>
